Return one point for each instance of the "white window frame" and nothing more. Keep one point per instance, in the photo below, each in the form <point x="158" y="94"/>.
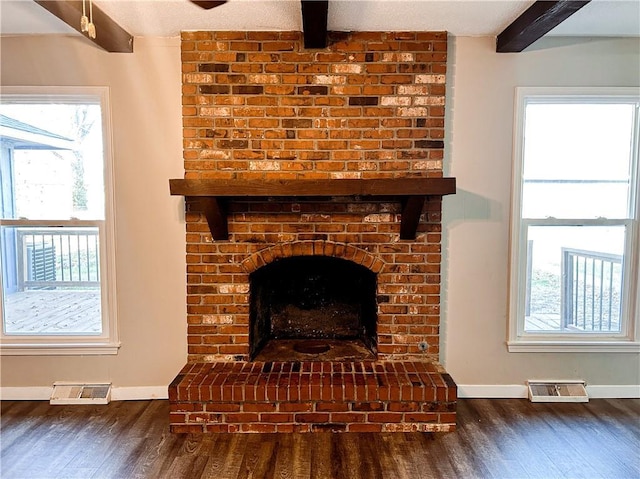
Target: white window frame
<point x="108" y="341"/>
<point x="518" y="339"/>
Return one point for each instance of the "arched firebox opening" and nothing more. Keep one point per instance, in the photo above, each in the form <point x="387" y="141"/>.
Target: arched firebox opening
<point x="312" y="308"/>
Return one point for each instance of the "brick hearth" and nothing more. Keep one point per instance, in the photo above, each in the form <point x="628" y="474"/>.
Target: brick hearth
<point x="399" y="396"/>
<point x="258" y="106"/>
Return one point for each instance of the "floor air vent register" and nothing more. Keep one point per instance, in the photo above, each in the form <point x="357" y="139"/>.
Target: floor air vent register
<point x="78" y="393"/>
<point x="557" y="391"/>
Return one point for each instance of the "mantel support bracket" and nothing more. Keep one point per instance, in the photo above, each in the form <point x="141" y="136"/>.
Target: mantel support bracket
<point x="411" y="211"/>
<point x="214" y="210"/>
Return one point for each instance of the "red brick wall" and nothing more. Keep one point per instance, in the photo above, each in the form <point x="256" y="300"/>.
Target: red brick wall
<point x="257" y="105"/>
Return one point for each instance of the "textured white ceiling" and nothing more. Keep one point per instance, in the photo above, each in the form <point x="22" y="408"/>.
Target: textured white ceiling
<point x="603" y="18"/>
<point x="459" y="17"/>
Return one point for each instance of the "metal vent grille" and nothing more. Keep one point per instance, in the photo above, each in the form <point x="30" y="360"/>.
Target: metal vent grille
<point x="557" y="391"/>
<point x="73" y="393"/>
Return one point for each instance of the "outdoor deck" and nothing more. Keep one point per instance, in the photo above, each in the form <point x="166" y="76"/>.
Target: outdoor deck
<point x="542" y="322"/>
<point x="551" y="322"/>
<point x="53" y="312"/>
<point x="69" y="312"/>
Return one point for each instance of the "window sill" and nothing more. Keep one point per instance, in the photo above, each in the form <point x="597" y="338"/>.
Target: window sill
<point x="58" y="349"/>
<point x="546" y="346"/>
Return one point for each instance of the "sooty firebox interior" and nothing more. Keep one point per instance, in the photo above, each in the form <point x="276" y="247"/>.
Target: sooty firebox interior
<point x="312" y="308"/>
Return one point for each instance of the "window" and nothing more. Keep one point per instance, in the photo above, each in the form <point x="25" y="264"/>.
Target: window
<point x="56" y="226"/>
<point x="574" y="228"/>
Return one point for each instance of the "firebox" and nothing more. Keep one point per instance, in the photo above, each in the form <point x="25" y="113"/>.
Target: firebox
<point x="312" y="308"/>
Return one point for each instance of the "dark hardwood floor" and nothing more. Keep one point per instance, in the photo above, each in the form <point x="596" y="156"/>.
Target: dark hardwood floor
<point x="508" y="438"/>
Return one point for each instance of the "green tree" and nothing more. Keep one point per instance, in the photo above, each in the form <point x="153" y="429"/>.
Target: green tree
<point x="82" y="125"/>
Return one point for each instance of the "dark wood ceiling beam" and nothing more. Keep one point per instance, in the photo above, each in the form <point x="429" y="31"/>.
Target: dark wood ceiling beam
<point x="208" y="5"/>
<point x="314" y="23"/>
<point x="539" y="19"/>
<point x="109" y="35"/>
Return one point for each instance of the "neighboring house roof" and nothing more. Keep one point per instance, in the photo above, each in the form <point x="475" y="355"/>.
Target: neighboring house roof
<point x="23" y="136"/>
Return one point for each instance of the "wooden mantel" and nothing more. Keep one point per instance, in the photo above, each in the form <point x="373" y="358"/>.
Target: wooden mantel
<point x="209" y="196"/>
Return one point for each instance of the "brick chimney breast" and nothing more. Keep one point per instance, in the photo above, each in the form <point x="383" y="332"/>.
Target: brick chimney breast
<point x="258" y="106"/>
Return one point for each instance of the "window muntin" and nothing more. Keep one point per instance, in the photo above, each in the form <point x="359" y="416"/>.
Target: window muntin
<point x="573" y="256"/>
<point x="56" y="228"/>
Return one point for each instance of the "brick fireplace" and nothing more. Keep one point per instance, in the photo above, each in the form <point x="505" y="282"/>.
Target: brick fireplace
<point x="355" y="347"/>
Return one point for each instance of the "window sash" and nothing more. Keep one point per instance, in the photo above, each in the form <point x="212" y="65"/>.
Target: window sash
<point x="626" y="280"/>
<point x="625" y="96"/>
<point x="105" y="306"/>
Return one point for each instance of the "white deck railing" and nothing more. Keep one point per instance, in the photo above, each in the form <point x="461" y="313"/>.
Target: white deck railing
<point x="50" y="258"/>
<point x="591" y="290"/>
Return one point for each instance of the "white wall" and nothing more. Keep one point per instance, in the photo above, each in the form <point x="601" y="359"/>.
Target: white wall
<point x="150" y="265"/>
<point x="145" y="93"/>
<point x="476" y="220"/>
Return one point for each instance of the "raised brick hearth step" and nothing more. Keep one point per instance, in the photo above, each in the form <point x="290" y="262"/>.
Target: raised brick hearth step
<point x="306" y="396"/>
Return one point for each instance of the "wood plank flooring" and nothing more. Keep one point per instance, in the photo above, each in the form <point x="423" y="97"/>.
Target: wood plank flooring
<point x="497" y="438"/>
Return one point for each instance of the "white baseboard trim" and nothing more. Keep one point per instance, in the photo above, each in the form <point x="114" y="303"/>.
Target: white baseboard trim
<point x="25" y="393"/>
<point x="615" y="392"/>
<point x="117" y="394"/>
<point x="140" y="393"/>
<point x="489" y="391"/>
